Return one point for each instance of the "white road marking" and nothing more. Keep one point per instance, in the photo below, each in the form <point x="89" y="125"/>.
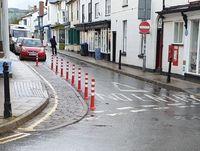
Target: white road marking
<point x="180" y="98"/>
<point x="149" y="106"/>
<point x="139" y="98"/>
<point x="101" y="96"/>
<point x="124" y="108"/>
<point x="115" y="114"/>
<point x="128" y="88"/>
<point x="161" y="108"/>
<point x="31" y="127"/>
<point x="98" y="111"/>
<point x="183" y="106"/>
<point x="174" y="100"/>
<point x="117" y="97"/>
<point x="152" y="98"/>
<point x="139" y="110"/>
<point x="177" y="104"/>
<point x="159" y="98"/>
<point x="193" y="97"/>
<point x="127" y="98"/>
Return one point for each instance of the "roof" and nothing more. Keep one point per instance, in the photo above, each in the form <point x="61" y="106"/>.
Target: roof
<point x="180" y="8"/>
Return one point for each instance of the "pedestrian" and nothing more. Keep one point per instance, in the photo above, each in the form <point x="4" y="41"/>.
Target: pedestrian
<point x="53" y="45"/>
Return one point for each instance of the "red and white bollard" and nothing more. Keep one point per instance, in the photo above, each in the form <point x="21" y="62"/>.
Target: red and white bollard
<point x="79" y="80"/>
<point x="56" y="65"/>
<point x="73" y="75"/>
<point x="52" y="60"/>
<point x="86" y="87"/>
<point x="61" y="67"/>
<point x="67" y="71"/>
<point x="92" y="103"/>
<point x="37" y="62"/>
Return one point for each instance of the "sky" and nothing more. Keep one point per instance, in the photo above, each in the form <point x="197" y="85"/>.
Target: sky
<point x="22" y="4"/>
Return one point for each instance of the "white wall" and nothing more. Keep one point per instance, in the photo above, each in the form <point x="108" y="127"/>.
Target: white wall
<point x="130" y="13"/>
<point x="169" y="3"/>
<point x="5" y="27"/>
<point x="101" y="10"/>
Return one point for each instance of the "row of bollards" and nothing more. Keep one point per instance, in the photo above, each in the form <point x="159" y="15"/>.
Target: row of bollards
<point x="73" y="73"/>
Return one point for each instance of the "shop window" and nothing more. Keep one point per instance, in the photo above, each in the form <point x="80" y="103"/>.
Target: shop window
<point x="178" y="32"/>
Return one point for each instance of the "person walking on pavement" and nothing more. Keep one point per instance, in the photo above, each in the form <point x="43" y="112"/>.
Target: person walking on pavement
<point x="53" y="45"/>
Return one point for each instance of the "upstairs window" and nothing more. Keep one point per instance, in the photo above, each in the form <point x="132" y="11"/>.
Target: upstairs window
<point x="97" y="10"/>
<point x="108" y="7"/>
<point x="124" y="3"/>
<point x="178" y="32"/>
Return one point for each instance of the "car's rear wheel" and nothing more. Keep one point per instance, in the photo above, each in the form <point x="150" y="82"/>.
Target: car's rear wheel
<point x="20" y="57"/>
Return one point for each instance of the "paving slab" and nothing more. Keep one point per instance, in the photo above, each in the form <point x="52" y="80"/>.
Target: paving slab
<point x="28" y="96"/>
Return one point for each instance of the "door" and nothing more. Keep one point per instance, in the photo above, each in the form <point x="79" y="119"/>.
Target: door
<point x="159" y="50"/>
<point x="114" y="35"/>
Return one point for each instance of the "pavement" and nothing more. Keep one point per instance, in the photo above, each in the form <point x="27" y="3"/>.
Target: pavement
<point x="150" y="77"/>
<point x="30" y="95"/>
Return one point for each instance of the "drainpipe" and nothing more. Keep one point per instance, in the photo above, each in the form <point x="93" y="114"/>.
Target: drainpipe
<point x="163" y="4"/>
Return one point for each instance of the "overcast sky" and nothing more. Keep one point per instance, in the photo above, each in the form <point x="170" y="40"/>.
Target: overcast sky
<point x="22" y="4"/>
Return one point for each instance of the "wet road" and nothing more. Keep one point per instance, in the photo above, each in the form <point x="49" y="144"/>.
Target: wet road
<point x="131" y="115"/>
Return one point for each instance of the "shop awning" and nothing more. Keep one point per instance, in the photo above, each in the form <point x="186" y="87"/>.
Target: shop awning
<point x="180" y="8"/>
<point x="94" y="25"/>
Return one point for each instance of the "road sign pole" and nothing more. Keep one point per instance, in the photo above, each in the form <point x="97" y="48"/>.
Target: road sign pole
<point x="144" y="51"/>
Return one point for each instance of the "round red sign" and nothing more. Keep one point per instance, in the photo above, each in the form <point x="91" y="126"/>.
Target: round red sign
<point x="144" y="27"/>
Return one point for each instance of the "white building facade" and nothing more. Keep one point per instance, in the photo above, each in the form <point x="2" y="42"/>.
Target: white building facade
<point x="4" y="27"/>
<point x="182" y="29"/>
<point x="126" y="36"/>
<point x="95" y="28"/>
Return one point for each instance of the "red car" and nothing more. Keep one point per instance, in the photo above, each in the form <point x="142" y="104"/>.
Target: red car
<point x="30" y="48"/>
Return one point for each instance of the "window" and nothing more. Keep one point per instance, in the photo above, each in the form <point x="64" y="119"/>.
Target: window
<point x="125" y="3"/>
<point x="83" y="13"/>
<point x="48" y="12"/>
<point x="25" y="21"/>
<point x="178" y="32"/>
<point x="97" y="10"/>
<point x="72" y="15"/>
<point x="108" y="7"/>
<point x="77" y="15"/>
<point x="194" y="44"/>
<point x="90" y="12"/>
<point x="124" y="35"/>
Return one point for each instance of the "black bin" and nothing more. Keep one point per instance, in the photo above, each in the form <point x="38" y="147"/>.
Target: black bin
<point x="84" y="49"/>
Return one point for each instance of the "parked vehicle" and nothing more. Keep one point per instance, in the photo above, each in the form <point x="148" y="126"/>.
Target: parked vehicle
<point x="17" y="45"/>
<point x="30" y="48"/>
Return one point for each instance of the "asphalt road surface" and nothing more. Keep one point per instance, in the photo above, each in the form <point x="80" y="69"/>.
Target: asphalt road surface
<point x="130" y="115"/>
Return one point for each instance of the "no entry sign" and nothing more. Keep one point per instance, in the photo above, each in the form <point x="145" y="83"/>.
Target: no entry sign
<point x="144" y="27"/>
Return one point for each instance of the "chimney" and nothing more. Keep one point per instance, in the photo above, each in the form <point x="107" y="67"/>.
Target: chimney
<point x="41" y="8"/>
<point x="35" y="8"/>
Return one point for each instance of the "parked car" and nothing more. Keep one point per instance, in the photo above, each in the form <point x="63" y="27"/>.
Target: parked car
<point x="30" y="48"/>
<point x="17" y="45"/>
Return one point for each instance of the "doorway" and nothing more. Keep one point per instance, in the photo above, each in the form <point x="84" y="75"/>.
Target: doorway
<point x="159" y="50"/>
<point x="114" y="36"/>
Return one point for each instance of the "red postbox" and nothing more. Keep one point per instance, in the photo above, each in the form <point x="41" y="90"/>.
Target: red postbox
<point x="173" y="54"/>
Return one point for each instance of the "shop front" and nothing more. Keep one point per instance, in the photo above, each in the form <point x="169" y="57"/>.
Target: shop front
<point x="97" y="35"/>
<point x="182" y="29"/>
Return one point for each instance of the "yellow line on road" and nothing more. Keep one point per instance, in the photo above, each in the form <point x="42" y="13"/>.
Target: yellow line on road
<point x="13" y="137"/>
